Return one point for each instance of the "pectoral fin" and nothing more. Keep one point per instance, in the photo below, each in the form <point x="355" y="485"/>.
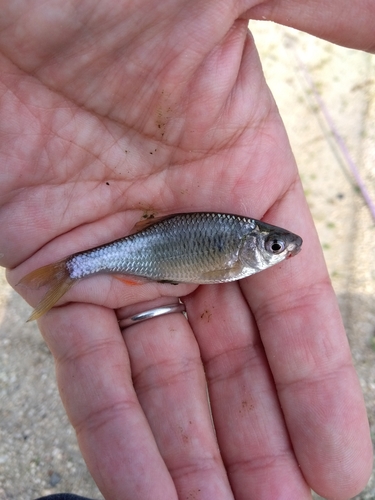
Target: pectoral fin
<point x="223" y="275"/>
<point x="169" y="282"/>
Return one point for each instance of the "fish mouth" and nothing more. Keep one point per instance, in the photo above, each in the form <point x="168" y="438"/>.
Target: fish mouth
<point x="295" y="246"/>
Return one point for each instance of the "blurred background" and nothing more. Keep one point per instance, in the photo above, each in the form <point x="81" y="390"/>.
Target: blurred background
<point x="312" y="81"/>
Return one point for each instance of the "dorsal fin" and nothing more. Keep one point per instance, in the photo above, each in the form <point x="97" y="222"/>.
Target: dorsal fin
<point x="150" y="221"/>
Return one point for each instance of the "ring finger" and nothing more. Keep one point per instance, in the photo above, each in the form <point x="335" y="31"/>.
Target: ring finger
<point x="169" y="380"/>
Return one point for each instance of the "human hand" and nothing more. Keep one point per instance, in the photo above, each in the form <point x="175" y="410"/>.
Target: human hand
<point x="115" y="110"/>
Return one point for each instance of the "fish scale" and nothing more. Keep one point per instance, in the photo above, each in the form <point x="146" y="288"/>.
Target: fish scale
<point x="177" y="249"/>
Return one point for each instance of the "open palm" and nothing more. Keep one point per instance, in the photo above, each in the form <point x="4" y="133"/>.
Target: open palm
<point x="112" y="111"/>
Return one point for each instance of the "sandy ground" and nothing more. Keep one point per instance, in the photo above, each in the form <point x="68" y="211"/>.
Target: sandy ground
<point x="38" y="450"/>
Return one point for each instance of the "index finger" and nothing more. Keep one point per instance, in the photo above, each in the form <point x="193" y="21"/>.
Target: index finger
<point x="306" y="346"/>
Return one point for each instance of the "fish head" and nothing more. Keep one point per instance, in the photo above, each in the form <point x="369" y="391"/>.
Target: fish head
<point x="268" y="245"/>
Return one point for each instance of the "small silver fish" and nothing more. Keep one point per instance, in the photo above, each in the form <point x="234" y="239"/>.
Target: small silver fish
<point x="201" y="247"/>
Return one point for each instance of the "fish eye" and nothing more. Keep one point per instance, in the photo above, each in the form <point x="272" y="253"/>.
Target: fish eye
<point x="275" y="246"/>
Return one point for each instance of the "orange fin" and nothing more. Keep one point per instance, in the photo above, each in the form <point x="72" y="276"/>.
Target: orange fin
<point x="56" y="277"/>
<point x="129" y="280"/>
<point x="144" y="223"/>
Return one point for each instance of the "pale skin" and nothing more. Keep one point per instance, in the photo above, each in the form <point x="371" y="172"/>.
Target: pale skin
<point x="114" y="109"/>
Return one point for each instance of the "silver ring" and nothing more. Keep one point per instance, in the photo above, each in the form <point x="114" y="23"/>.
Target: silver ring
<point x="152" y="313"/>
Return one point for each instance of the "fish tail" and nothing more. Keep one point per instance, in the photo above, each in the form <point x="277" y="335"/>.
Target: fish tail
<point x="56" y="277"/>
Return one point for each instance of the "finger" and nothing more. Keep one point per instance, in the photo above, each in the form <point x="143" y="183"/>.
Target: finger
<point x="95" y="384"/>
<point x="297" y="314"/>
<point x="170" y="383"/>
<point x="249" y="424"/>
<point x="332" y="21"/>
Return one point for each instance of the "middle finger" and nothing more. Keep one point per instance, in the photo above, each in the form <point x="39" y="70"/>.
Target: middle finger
<point x="250" y="427"/>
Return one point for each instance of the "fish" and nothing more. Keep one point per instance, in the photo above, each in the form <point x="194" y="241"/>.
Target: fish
<point x="199" y="247"/>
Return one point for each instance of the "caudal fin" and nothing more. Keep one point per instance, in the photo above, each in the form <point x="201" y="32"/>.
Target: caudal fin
<point x="56" y="277"/>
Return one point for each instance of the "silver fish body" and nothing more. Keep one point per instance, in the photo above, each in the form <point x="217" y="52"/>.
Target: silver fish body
<point x="191" y="248"/>
<point x="200" y="247"/>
